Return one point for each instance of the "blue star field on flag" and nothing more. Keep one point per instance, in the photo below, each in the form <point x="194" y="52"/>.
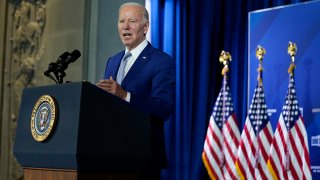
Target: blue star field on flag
<point x="223" y="100"/>
<point x="258" y="114"/>
<point x="290" y="110"/>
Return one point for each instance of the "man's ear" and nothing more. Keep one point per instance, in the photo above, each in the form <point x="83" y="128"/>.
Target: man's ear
<point x="146" y="27"/>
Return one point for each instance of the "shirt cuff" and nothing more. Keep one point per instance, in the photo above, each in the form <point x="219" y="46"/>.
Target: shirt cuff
<point x="128" y="97"/>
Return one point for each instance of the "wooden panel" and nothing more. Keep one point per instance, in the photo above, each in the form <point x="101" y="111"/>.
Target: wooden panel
<point x="47" y="174"/>
<point x="56" y="174"/>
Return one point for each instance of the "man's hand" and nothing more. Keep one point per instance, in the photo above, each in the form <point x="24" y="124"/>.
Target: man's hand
<point x="112" y="87"/>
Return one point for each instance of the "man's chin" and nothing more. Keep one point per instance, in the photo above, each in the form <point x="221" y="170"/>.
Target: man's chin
<point x="126" y="42"/>
<point x="128" y="45"/>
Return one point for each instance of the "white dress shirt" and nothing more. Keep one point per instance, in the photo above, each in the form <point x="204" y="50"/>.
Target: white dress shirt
<point x="130" y="61"/>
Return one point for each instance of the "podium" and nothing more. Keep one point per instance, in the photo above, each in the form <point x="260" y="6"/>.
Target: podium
<point x="96" y="135"/>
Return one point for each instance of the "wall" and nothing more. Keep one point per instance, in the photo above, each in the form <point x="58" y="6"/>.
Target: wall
<point x="104" y="40"/>
<point x="33" y="33"/>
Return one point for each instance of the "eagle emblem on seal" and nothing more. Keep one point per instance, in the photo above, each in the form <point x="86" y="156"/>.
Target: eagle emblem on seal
<point x="43" y="118"/>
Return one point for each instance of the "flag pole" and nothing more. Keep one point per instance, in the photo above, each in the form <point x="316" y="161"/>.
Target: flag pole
<point x="225" y="59"/>
<point x="260" y="52"/>
<point x="292" y="50"/>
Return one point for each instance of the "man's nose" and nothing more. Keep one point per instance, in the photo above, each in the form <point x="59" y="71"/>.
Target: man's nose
<point x="126" y="25"/>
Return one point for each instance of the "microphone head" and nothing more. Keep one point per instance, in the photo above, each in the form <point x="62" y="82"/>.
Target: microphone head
<point x="62" y="57"/>
<point x="54" y="65"/>
<point x="73" y="56"/>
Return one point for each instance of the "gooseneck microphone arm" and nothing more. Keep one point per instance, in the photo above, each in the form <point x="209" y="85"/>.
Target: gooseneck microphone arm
<point x="53" y="66"/>
<point x="51" y="77"/>
<point x="61" y="65"/>
<point x="59" y="71"/>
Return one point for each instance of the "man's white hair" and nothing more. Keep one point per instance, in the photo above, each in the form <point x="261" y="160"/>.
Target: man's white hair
<point x="145" y="13"/>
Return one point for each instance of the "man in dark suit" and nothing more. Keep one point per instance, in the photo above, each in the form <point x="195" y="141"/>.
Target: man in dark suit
<point x="143" y="76"/>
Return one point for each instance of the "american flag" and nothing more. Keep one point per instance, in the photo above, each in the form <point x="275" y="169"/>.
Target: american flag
<point x="255" y="140"/>
<point x="289" y="153"/>
<point x="222" y="140"/>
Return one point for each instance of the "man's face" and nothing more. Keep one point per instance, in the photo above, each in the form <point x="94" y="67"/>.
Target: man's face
<point x="131" y="26"/>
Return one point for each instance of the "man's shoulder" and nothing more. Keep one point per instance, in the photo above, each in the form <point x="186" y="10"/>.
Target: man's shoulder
<point x="155" y="52"/>
<point x="118" y="55"/>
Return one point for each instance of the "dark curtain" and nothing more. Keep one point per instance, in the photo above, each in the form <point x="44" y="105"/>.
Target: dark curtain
<point x="194" y="32"/>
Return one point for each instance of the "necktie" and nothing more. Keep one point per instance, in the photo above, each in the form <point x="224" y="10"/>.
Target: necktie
<point x="121" y="71"/>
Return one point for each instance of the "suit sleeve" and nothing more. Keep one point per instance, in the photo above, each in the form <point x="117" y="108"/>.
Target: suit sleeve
<point x="107" y="74"/>
<point x="160" y="102"/>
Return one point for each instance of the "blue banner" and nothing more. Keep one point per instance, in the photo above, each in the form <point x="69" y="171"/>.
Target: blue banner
<point x="273" y="29"/>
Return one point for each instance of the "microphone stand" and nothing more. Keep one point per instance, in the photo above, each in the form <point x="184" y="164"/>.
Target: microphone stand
<point x="51" y="77"/>
<point x="61" y="65"/>
<point x="60" y="74"/>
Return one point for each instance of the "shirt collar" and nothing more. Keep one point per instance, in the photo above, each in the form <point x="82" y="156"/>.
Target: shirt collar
<point x="137" y="51"/>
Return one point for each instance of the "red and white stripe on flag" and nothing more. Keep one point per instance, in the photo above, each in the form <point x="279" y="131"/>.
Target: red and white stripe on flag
<point x="298" y="165"/>
<point x="289" y="153"/>
<point x="255" y="140"/>
<point x="222" y="139"/>
<point x="248" y="165"/>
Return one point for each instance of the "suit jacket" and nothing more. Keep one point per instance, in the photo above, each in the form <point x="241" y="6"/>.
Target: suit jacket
<point x="151" y="82"/>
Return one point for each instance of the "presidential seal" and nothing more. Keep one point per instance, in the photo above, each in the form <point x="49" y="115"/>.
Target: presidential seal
<point x="43" y="118"/>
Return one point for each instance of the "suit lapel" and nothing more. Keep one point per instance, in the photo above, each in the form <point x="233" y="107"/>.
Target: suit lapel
<point x="114" y="65"/>
<point x="138" y="64"/>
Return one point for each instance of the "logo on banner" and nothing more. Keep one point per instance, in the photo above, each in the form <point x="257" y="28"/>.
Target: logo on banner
<point x="315" y="140"/>
<point x="43" y="118"/>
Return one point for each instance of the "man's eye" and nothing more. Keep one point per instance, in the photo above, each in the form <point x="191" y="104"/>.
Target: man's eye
<point x="121" y="21"/>
<point x="132" y="20"/>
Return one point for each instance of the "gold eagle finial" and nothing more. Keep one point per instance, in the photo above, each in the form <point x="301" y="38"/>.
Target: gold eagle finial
<point x="225" y="58"/>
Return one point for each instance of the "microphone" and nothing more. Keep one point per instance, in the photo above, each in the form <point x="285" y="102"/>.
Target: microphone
<point x="53" y="65"/>
<point x="72" y="57"/>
